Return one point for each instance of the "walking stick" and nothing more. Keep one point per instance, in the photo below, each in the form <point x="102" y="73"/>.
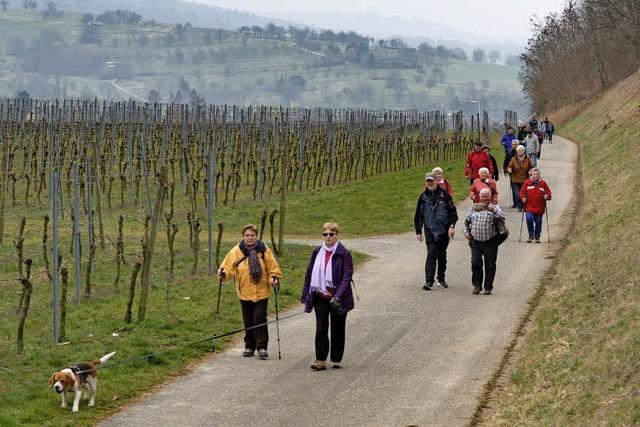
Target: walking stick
<point x="219" y="291"/>
<point x="546" y="213"/>
<point x="277" y="289"/>
<point x="521" y="222"/>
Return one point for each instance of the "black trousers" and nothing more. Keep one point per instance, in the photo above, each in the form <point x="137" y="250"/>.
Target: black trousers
<point x="483" y="252"/>
<point x="325" y="319"/>
<point x="255" y="313"/>
<point x="436" y="255"/>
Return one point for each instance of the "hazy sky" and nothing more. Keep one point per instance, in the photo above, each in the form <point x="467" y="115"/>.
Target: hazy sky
<point x="491" y="19"/>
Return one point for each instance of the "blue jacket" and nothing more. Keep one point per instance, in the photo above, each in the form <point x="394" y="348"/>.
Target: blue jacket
<point x="506" y="141"/>
<point x="435" y="213"/>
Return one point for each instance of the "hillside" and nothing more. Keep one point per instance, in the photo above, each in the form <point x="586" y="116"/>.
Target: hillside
<point x="46" y="58"/>
<point x="578" y="364"/>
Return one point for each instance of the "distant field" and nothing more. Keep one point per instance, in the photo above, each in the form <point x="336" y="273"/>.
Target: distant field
<point x="236" y="69"/>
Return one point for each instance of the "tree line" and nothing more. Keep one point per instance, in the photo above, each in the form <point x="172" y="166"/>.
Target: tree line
<point x="581" y="51"/>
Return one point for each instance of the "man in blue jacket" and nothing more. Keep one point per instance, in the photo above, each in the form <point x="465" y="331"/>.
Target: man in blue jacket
<point x="506" y="140"/>
<point x="436" y="216"/>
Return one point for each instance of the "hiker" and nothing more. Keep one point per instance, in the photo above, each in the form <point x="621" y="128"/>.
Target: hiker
<point x="442" y="181"/>
<point x="477" y="159"/>
<point x="510" y="155"/>
<point x="522" y="133"/>
<point x="496" y="173"/>
<point x="436" y="217"/>
<point x="506" y="139"/>
<point x="534" y="194"/>
<point x="480" y="230"/>
<point x="532" y="148"/>
<point x="327" y="291"/>
<point x="548" y="129"/>
<point x="533" y="122"/>
<point x="518" y="168"/>
<point x="484" y="181"/>
<point x="256" y="270"/>
<point x="540" y="136"/>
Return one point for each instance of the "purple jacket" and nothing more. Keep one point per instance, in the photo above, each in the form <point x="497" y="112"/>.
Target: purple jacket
<point x="342" y="267"/>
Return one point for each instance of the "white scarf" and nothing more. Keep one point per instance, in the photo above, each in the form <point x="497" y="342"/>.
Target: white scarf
<point x="321" y="277"/>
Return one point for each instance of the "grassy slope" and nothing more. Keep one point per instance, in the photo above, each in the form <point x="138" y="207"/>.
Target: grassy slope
<point x="179" y="312"/>
<point x="579" y="364"/>
<point x="156" y="66"/>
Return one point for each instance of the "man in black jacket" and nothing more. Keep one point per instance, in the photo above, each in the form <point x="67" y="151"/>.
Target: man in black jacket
<point x="496" y="172"/>
<point x="436" y="216"/>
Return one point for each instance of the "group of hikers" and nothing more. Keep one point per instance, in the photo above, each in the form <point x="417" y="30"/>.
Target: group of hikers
<point x="484" y="227"/>
<point x="327" y="284"/>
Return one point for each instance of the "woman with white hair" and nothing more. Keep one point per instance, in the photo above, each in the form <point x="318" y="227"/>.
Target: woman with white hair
<point x="518" y="168"/>
<point x="442" y="181"/>
<point x="483" y="182"/>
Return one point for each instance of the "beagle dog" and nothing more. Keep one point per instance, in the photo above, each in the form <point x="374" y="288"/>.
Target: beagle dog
<point x="75" y="377"/>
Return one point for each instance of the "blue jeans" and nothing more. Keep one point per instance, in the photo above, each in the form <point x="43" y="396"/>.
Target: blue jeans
<point x="534" y="160"/>
<point x="534" y="224"/>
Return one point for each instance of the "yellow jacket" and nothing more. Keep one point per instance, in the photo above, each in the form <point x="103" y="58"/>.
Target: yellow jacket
<point x="236" y="266"/>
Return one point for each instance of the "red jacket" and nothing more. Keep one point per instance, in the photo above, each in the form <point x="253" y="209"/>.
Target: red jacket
<point x="475" y="161"/>
<point x="446" y="186"/>
<point x="535" y="203"/>
<point x="478" y="184"/>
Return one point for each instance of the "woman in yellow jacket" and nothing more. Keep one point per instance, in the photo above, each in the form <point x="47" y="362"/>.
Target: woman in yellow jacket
<point x="256" y="270"/>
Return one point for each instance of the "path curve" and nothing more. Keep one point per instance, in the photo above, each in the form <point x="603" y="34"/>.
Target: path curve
<point x="412" y="357"/>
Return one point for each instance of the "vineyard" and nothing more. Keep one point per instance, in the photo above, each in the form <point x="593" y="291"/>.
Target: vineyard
<point x="122" y="203"/>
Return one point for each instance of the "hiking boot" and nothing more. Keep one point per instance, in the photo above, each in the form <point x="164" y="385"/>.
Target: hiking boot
<point x="263" y="354"/>
<point x="319" y="365"/>
<point x="248" y="352"/>
<point x="476" y="290"/>
<point x="428" y="286"/>
<point x="443" y="284"/>
<point x="530" y="239"/>
<point x="487" y="291"/>
<point x="537" y="240"/>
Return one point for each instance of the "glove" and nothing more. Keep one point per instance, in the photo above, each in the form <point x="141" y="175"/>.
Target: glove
<point x="335" y="304"/>
<point x="221" y="273"/>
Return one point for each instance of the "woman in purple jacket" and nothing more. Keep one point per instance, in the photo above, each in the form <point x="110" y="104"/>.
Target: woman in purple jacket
<point x="327" y="290"/>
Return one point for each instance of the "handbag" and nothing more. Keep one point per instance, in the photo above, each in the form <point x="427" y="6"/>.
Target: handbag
<point x="502" y="232"/>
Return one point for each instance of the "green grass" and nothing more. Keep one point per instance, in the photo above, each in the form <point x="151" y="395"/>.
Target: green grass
<point x="578" y="364"/>
<point x="180" y="311"/>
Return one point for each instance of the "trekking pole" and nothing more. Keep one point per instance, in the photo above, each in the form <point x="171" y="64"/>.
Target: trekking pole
<point x="219" y="292"/>
<point x="277" y="289"/>
<point x="521" y="222"/>
<point x="546" y="213"/>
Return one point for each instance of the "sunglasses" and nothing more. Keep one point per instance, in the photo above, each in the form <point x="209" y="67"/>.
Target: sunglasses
<point x="328" y="234"/>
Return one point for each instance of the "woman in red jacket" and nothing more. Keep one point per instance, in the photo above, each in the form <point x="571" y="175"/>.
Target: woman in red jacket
<point x="483" y="182"/>
<point x="477" y="159"/>
<point x="534" y="194"/>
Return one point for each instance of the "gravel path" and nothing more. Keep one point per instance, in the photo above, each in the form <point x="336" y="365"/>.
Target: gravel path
<point x="412" y="357"/>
